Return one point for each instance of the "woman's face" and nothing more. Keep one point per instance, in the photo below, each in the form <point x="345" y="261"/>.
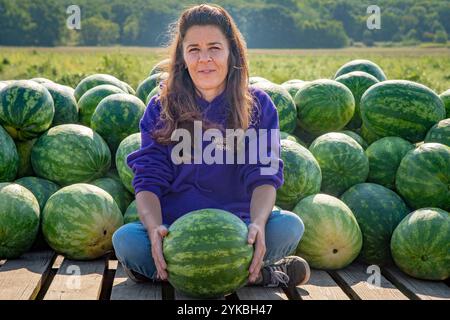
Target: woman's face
<point x="206" y="51"/>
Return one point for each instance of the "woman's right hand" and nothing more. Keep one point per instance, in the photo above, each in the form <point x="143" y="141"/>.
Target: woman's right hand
<point x="156" y="238"/>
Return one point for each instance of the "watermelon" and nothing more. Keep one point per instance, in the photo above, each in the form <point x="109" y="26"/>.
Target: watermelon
<point x="130" y="89"/>
<point x="127" y="146"/>
<point x="156" y="90"/>
<point x="358" y="82"/>
<point x="439" y="133"/>
<point x="24" y="151"/>
<point x="146" y="86"/>
<point x="356" y="137"/>
<point x="288" y="136"/>
<point x="96" y="80"/>
<point x="421" y="244"/>
<point x="378" y="211"/>
<point x="9" y="158"/>
<point x="324" y="106"/>
<point x="287" y="112"/>
<point x="70" y="153"/>
<point x="368" y="135"/>
<point x="207" y="253"/>
<point x="292" y="86"/>
<point x="445" y="97"/>
<point x="423" y="176"/>
<point x="131" y="215"/>
<point x="362" y="65"/>
<point x="78" y="221"/>
<point x="91" y="98"/>
<point x="66" y="107"/>
<point x="19" y="220"/>
<point x="401" y="108"/>
<point x="255" y="79"/>
<point x="302" y="175"/>
<point x="162" y="66"/>
<point x="26" y="109"/>
<point x="116" y="117"/>
<point x="384" y="158"/>
<point x="116" y="189"/>
<point x="342" y="161"/>
<point x="42" y="80"/>
<point x="332" y="238"/>
<point x="304" y="136"/>
<point x="2" y="85"/>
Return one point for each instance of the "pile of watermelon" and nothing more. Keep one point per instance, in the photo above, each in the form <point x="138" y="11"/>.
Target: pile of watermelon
<point x="366" y="166"/>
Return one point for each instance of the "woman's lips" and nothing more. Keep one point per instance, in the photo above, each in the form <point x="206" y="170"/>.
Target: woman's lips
<point x="207" y="71"/>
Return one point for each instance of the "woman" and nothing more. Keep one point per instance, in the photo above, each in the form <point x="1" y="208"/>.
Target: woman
<point x="208" y="81"/>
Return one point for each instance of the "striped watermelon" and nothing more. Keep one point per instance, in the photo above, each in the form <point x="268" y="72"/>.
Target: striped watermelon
<point x="116" y="117"/>
<point x="439" y="133"/>
<point x="24" y="151"/>
<point x="423" y="176"/>
<point x="96" y="80"/>
<point x="368" y="135"/>
<point x="342" y="161"/>
<point x="255" y="79"/>
<point x="332" y="238"/>
<point x="324" y="106"/>
<point x="131" y="215"/>
<point x="19" y="220"/>
<point x="146" y="86"/>
<point x="66" y="107"/>
<point x="384" y="158"/>
<point x="156" y="90"/>
<point x="91" y="98"/>
<point x="356" y="137"/>
<point x="162" y="66"/>
<point x="378" y="211"/>
<point x="401" y="108"/>
<point x="207" y="253"/>
<point x="362" y="65"/>
<point x="117" y="190"/>
<point x="78" y="221"/>
<point x="42" y="80"/>
<point x="421" y="244"/>
<point x="9" y="158"/>
<point x="445" y="97"/>
<point x="358" y="82"/>
<point x="26" y="109"/>
<point x="288" y="136"/>
<point x="292" y="86"/>
<point x="284" y="103"/>
<point x="302" y="175"/>
<point x="128" y="145"/>
<point x="70" y="153"/>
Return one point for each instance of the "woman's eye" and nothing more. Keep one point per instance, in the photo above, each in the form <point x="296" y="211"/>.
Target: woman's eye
<point x="194" y="49"/>
<point x="215" y="48"/>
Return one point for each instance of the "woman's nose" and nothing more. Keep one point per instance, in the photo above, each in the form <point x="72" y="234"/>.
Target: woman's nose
<point x="204" y="57"/>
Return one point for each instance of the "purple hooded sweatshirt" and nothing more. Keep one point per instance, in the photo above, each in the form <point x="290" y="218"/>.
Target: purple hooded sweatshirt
<point x="186" y="187"/>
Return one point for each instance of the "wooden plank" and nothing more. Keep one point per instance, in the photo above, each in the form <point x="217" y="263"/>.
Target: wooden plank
<point x="261" y="293"/>
<point x="21" y="279"/>
<point x="415" y="288"/>
<point x="126" y="289"/>
<point x="355" y="279"/>
<point x="77" y="280"/>
<point x="321" y="286"/>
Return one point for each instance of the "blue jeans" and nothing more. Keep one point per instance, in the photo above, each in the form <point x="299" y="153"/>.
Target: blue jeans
<point x="284" y="230"/>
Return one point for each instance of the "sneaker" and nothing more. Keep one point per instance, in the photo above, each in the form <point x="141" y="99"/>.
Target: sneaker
<point x="135" y="276"/>
<point x="289" y="272"/>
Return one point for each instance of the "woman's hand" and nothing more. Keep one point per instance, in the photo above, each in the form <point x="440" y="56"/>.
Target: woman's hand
<point x="156" y="238"/>
<point x="256" y="236"/>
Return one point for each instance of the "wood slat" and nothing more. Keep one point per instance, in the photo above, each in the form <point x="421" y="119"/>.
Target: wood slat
<point x="77" y="280"/>
<point x="321" y="286"/>
<point x="261" y="293"/>
<point x="354" y="279"/>
<point x="415" y="288"/>
<point x="125" y="289"/>
<point x="21" y="279"/>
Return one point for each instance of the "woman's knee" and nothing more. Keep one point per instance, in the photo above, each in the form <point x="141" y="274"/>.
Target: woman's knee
<point x="128" y="239"/>
<point x="289" y="225"/>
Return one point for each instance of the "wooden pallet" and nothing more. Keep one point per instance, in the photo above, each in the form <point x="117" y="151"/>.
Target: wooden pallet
<point x="44" y="275"/>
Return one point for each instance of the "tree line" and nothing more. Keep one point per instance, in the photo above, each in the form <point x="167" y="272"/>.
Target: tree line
<point x="264" y="23"/>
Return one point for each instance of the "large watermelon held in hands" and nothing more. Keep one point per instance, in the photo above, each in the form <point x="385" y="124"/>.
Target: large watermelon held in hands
<point x="96" y="80"/>
<point x="367" y="66"/>
<point x="117" y="190"/>
<point x="207" y="253"/>
<point x="384" y="158"/>
<point x="423" y="177"/>
<point x="323" y="106"/>
<point x="78" y="221"/>
<point x="130" y="144"/>
<point x="26" y="109"/>
<point x="439" y="133"/>
<point x="302" y="175"/>
<point x="70" y="153"/>
<point x="420" y="244"/>
<point x="342" y="161"/>
<point x="378" y="211"/>
<point x="9" y="158"/>
<point x="332" y="238"/>
<point x="19" y="220"/>
<point x="401" y="108"/>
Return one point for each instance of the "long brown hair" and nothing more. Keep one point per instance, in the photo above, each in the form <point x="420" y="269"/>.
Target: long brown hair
<point x="177" y="97"/>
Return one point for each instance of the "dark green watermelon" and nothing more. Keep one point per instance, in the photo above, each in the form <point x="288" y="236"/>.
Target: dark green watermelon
<point x="128" y="145"/>
<point x="131" y="215"/>
<point x="445" y="97"/>
<point x="362" y="65"/>
<point x="439" y="133"/>
<point x="66" y="107"/>
<point x="292" y="86"/>
<point x="156" y="90"/>
<point x="24" y="151"/>
<point x="288" y="136"/>
<point x="117" y="190"/>
<point x="96" y="80"/>
<point x="146" y="86"/>
<point x="9" y="158"/>
<point x="357" y="138"/>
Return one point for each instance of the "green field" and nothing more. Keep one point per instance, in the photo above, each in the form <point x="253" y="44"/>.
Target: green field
<point x="68" y="65"/>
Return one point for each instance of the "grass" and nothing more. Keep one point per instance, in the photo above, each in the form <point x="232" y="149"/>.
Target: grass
<point x="68" y="65"/>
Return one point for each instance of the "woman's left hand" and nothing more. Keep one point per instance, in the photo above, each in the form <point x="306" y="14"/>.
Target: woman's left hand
<point x="256" y="236"/>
